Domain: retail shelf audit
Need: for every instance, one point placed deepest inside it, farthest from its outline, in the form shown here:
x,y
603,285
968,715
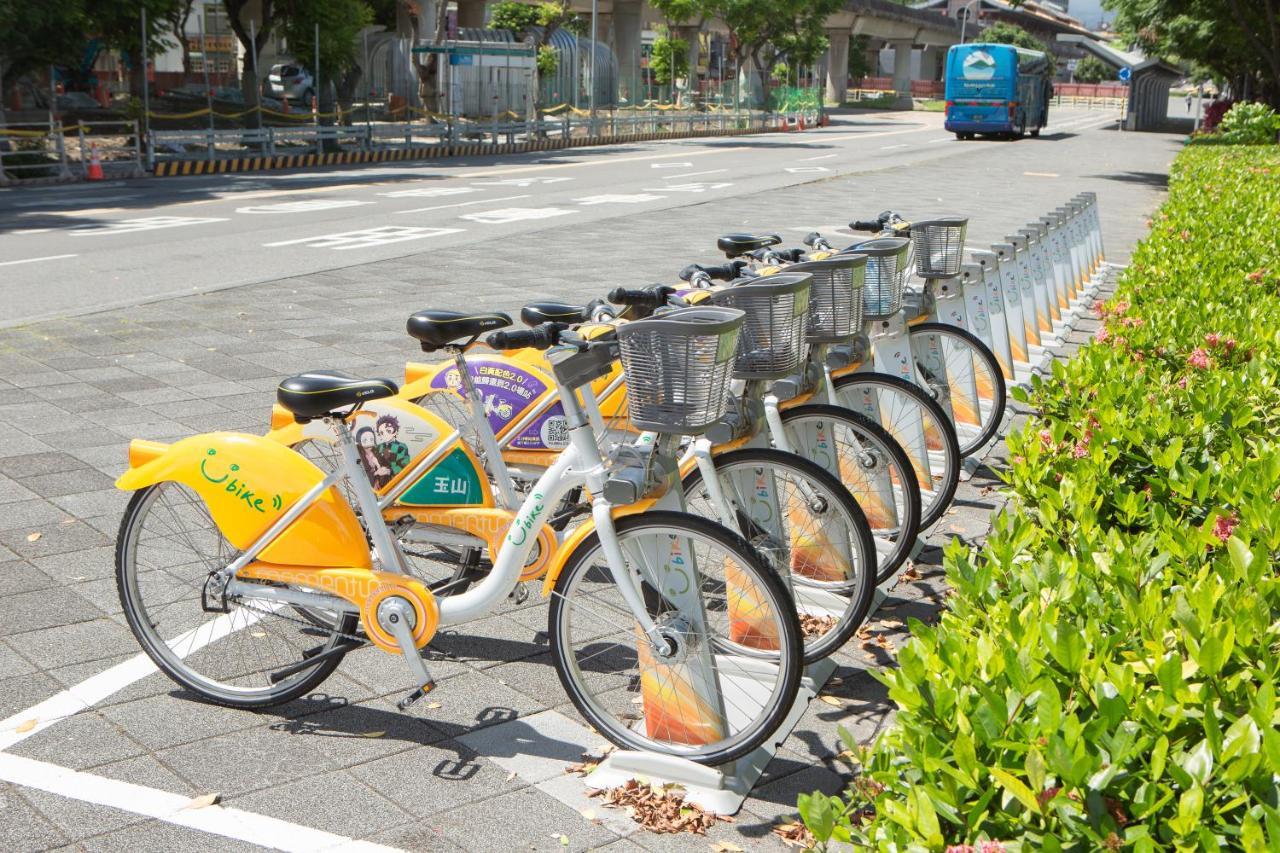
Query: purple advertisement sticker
x,y
508,391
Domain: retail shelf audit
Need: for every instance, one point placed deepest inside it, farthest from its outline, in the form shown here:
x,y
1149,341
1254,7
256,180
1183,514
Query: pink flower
x,y
961,848
1185,235
1121,307
1212,339
1081,450
1099,307
1198,359
1182,383
1225,526
990,847
1101,335
1230,344
1046,438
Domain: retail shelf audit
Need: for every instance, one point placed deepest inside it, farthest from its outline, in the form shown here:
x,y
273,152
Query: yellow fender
x,y
574,539
248,482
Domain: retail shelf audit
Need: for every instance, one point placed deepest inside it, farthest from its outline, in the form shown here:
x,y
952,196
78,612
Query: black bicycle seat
x,y
536,313
734,245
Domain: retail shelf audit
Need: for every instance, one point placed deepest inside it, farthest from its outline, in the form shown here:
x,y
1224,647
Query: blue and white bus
x,y
997,89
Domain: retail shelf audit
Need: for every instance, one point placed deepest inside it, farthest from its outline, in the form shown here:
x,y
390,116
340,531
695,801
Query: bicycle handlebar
x,y
540,337
872,226
647,297
723,272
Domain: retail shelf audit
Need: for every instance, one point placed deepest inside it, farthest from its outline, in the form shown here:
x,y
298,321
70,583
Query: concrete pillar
x,y
690,36
626,47
931,59
470,13
837,66
902,73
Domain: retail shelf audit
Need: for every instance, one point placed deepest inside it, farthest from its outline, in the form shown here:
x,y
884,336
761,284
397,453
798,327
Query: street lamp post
x,y
968,13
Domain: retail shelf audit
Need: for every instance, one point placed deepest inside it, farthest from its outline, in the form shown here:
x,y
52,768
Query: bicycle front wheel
x,y
872,466
918,425
729,669
810,529
964,377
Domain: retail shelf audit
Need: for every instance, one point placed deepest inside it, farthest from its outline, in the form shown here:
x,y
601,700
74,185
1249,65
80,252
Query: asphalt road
x,y
78,249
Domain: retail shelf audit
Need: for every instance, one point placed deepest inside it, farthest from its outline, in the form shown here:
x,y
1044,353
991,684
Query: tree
x,y
340,23
1004,33
263,27
684,21
117,25
1237,40
859,62
669,59
177,20
536,24
1093,70
37,35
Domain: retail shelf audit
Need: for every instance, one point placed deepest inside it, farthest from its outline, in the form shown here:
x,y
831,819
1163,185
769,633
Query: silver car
x,y
292,82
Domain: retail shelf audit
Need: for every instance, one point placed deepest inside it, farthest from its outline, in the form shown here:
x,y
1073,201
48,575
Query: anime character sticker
x,y
392,453
366,447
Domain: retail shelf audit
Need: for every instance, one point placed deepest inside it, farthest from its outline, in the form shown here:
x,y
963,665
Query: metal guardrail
x,y
49,151
214,144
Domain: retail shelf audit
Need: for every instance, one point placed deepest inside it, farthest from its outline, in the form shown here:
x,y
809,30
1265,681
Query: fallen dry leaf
x,y
203,801
434,705
832,700
374,734
32,537
816,626
26,726
589,814
659,808
726,847
794,835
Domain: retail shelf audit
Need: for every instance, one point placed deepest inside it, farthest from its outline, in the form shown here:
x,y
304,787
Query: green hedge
x,y
1105,674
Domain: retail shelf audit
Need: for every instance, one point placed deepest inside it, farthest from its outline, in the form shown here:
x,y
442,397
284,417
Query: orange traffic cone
x,y
802,121
95,164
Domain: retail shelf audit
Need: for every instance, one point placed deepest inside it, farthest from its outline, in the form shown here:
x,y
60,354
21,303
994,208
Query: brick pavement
x,y
73,392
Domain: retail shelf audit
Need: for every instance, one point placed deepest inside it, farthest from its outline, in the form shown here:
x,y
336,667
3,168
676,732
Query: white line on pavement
x,y
173,808
691,174
892,147
669,165
819,157
34,260
463,203
366,238
939,139
32,231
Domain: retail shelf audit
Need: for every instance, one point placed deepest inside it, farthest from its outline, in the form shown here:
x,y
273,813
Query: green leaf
x,y
1017,788
1198,763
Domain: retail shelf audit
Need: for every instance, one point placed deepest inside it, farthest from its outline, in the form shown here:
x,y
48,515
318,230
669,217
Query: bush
x,y
1093,70
1105,674
1250,124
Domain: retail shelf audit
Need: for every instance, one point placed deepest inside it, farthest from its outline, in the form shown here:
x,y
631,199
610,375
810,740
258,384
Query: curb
x,y
172,168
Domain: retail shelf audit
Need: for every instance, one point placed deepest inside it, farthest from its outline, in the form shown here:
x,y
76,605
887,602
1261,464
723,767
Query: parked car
x,y
290,81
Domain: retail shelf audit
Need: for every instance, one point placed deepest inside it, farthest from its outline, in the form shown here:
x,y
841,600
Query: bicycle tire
x,y
935,501
859,593
566,600
145,627
972,443
909,513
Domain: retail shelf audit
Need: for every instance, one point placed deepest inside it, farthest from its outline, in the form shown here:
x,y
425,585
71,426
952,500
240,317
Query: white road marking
x,y
669,165
819,157
303,205
515,214
695,187
34,260
1042,174
32,231
803,170
692,174
172,808
617,198
428,192
892,147
463,203
150,223
939,139
520,182
72,202
366,238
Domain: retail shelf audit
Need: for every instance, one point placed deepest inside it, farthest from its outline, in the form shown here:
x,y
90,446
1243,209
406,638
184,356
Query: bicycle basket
x,y
939,245
886,274
678,366
771,344
835,300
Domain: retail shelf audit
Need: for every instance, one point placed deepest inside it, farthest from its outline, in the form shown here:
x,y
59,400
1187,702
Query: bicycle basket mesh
x,y
886,274
771,344
939,245
835,299
678,366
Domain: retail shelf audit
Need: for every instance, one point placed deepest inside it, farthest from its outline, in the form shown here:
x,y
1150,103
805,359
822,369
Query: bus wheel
x,y
1022,128
1035,133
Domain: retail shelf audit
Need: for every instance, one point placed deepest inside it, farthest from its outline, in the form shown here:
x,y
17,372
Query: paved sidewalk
x,y
73,392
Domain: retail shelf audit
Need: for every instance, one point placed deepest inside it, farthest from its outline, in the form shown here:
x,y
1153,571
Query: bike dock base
x,y
719,790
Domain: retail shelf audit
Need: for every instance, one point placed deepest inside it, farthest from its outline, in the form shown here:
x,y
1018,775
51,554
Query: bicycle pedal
x,y
407,702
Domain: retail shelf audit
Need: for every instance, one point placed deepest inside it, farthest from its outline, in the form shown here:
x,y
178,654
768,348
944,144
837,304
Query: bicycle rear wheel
x,y
732,663
810,529
168,545
919,426
873,467
964,377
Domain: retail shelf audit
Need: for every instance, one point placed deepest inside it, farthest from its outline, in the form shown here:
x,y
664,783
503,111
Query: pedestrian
x,y
1188,102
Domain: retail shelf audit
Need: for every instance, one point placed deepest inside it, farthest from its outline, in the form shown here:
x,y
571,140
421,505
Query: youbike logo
x,y
236,486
